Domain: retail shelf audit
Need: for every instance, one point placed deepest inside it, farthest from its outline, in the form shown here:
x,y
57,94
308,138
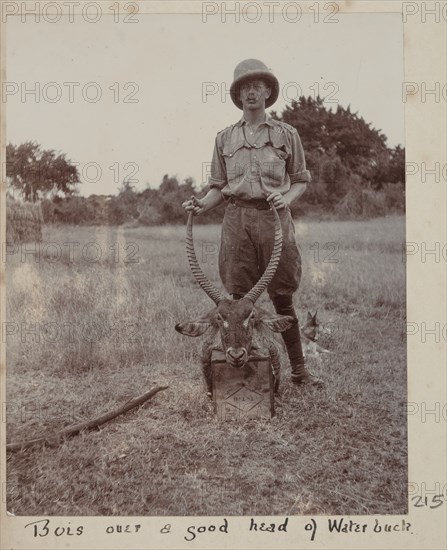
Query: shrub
x,y
362,203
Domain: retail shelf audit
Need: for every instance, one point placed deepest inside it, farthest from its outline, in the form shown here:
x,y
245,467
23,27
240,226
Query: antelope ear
x,y
310,317
193,328
279,323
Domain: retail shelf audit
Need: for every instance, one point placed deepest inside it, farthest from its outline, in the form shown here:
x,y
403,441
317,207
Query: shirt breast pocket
x,y
280,146
280,153
235,160
274,164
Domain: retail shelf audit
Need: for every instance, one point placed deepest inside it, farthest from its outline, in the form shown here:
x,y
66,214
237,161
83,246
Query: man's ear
x,y
279,323
239,92
193,328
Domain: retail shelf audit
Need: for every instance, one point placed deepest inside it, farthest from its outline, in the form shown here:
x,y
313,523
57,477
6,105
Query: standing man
x,y
258,161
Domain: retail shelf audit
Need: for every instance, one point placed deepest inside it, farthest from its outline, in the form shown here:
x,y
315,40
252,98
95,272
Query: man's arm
x,y
212,199
295,192
296,163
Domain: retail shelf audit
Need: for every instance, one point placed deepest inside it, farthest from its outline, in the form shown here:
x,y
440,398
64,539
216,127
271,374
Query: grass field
x,y
86,333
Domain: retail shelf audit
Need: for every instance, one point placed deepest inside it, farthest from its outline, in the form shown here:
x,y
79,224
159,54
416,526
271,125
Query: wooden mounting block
x,y
247,392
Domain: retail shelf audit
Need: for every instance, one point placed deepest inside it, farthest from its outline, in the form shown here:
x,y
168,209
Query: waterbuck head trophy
x,y
235,320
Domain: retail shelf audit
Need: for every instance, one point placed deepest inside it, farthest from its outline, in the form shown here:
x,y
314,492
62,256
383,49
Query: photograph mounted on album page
x,y
223,300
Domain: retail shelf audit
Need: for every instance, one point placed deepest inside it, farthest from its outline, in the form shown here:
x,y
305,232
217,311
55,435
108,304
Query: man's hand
x,y
279,201
195,205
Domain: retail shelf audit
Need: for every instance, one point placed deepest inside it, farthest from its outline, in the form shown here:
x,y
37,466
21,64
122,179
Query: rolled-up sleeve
x,y
296,163
218,176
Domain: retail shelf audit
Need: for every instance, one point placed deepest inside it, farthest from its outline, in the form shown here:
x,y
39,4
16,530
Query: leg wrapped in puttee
x,y
292,339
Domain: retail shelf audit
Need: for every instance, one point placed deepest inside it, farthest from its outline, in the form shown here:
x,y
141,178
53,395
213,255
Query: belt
x,y
258,204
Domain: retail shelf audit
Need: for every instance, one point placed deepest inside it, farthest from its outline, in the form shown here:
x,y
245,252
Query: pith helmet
x,y
253,68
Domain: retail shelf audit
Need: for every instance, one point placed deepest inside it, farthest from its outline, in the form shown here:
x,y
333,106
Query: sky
x,y
138,107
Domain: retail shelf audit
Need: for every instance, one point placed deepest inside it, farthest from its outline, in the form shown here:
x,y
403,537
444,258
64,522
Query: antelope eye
x,y
248,319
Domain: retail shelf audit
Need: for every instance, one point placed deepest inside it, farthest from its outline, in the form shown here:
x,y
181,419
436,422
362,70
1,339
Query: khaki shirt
x,y
248,166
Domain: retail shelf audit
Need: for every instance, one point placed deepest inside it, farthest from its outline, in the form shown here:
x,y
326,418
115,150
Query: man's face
x,y
254,93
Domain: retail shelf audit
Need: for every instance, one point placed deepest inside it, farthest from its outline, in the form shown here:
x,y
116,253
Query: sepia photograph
x,y
291,398
205,260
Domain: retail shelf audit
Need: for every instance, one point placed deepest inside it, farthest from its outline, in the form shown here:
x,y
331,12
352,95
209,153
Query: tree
x,y
396,172
171,194
340,133
310,117
344,154
124,207
37,173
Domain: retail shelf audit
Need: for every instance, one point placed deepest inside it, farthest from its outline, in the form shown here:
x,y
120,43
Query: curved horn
x,y
215,294
270,271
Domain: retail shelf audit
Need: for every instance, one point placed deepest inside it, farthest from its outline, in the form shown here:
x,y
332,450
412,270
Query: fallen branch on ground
x,y
87,424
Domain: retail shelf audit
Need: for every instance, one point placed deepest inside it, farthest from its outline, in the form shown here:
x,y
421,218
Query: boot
x,y
301,376
292,339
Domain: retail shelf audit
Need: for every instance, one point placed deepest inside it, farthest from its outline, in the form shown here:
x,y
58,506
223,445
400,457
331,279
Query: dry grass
x,y
23,222
341,450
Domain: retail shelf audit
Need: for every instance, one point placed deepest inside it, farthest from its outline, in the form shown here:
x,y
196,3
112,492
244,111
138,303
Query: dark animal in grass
x,y
310,334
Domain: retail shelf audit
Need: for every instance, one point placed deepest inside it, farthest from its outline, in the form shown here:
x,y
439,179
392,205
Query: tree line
x,y
354,174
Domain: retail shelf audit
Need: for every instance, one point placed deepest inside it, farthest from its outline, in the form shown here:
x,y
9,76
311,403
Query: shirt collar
x,y
268,120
